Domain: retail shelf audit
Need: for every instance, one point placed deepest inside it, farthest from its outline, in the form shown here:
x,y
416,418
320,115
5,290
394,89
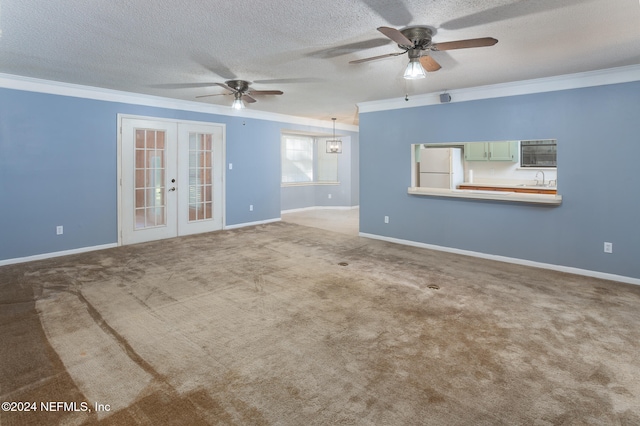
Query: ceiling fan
x,y
416,42
241,91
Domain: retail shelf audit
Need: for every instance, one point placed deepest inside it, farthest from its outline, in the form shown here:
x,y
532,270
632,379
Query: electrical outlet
x,y
230,166
329,196
608,247
386,219
59,230
250,207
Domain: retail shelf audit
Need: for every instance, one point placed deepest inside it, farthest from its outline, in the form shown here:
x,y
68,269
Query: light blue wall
x,y
598,133
344,194
58,166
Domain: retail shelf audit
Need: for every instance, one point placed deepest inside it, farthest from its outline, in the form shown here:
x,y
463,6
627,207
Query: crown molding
x,y
548,84
29,84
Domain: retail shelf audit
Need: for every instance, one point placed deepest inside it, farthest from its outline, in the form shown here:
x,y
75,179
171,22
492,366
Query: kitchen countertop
x,y
509,185
552,199
521,188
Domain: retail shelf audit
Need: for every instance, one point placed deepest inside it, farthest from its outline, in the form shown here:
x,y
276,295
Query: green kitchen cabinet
x,y
477,151
491,151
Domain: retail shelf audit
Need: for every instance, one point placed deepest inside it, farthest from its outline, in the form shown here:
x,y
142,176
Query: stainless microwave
x,y
540,153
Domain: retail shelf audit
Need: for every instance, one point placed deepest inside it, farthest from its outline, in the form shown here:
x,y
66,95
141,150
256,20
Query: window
x,y
305,160
297,159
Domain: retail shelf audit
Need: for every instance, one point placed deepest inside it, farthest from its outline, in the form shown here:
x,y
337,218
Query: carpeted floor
x,y
264,326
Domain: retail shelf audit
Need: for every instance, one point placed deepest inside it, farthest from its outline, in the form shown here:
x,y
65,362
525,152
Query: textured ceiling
x,y
178,48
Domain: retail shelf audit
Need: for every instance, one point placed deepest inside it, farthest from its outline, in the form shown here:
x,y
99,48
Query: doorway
x,y
171,178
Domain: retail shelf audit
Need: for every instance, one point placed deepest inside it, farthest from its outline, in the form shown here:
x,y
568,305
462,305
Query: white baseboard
x,y
102,247
560,268
243,225
306,209
56,254
106,246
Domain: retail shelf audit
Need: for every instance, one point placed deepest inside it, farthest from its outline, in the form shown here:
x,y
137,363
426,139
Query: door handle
x,y
172,189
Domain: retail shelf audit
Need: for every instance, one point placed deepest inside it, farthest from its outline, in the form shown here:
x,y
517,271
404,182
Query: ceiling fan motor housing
x,y
238,85
419,36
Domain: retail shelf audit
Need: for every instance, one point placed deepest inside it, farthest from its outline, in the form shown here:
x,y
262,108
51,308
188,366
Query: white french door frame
x,y
219,197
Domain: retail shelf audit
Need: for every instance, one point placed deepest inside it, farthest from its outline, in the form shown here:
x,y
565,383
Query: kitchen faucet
x,y
540,171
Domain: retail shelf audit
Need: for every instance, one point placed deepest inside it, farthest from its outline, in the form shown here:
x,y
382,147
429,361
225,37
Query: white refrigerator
x,y
441,168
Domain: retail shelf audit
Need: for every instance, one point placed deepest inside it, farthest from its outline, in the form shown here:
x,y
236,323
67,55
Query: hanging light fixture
x,y
334,146
414,70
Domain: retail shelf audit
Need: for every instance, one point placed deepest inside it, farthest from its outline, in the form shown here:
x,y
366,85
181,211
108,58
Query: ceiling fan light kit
x,y
414,70
237,102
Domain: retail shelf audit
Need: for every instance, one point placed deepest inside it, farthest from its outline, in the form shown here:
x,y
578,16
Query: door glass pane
x,y
149,179
139,178
150,139
140,198
140,159
140,139
200,188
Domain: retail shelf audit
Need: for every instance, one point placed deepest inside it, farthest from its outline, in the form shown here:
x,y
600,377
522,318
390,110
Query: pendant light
x,y
334,146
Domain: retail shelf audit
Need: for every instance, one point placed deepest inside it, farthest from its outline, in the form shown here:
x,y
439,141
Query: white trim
x,y
306,209
548,84
10,81
245,224
524,262
119,118
56,254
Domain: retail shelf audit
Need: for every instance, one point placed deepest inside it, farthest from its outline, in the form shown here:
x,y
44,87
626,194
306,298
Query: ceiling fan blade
x,y
265,92
429,64
226,87
214,94
396,36
357,61
248,99
464,44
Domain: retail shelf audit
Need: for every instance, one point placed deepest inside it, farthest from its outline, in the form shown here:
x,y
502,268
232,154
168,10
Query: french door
x,y
171,179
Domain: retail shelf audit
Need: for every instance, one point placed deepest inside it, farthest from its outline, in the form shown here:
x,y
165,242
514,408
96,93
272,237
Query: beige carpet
x,y
334,220
263,326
